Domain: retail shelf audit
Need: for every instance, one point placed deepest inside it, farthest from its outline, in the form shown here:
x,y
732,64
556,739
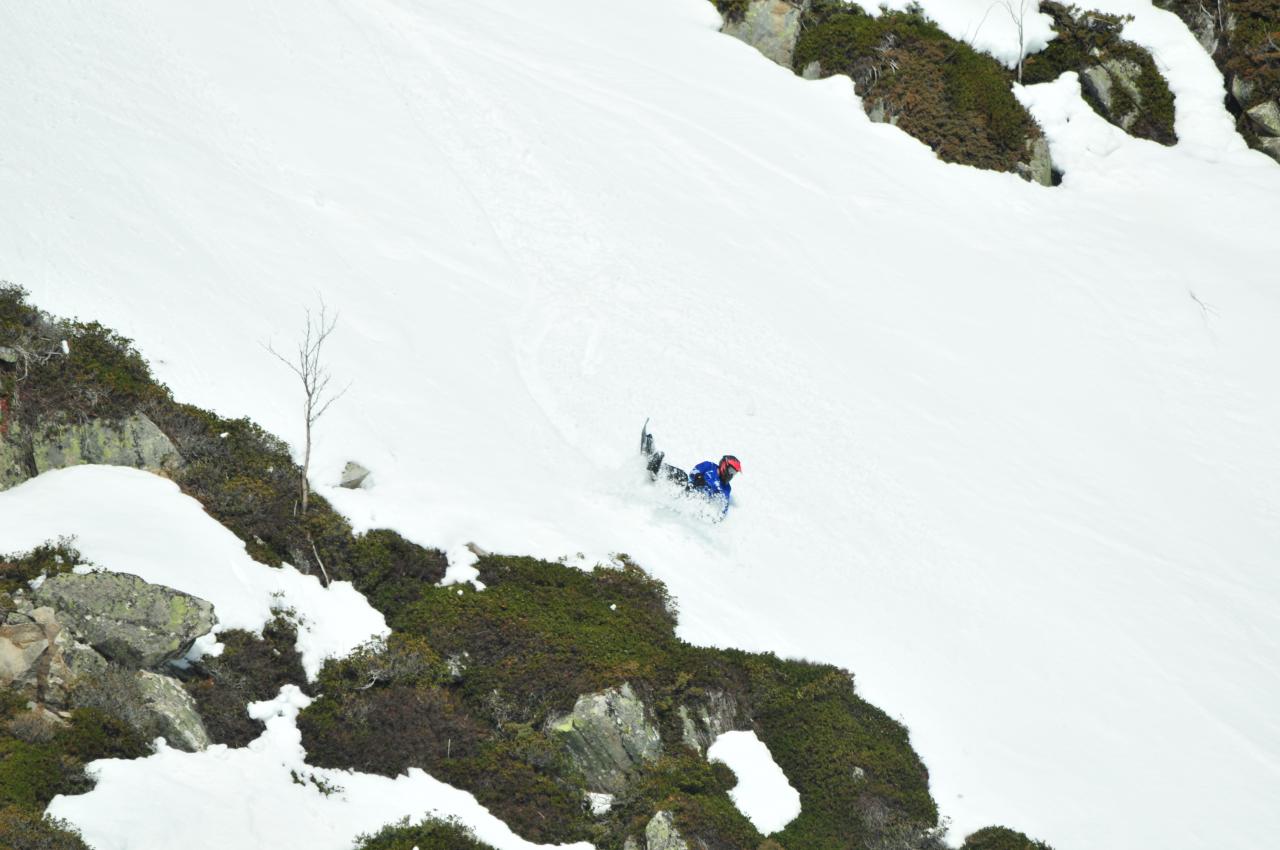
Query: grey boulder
x,y
132,622
609,736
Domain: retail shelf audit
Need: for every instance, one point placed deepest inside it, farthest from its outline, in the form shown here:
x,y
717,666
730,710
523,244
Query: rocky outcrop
x,y
770,26
1106,80
609,736
704,721
135,441
126,619
1119,78
1241,36
173,711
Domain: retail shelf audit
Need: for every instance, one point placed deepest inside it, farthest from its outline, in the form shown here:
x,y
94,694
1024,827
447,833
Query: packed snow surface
x,y
763,793
133,522
262,795
1009,451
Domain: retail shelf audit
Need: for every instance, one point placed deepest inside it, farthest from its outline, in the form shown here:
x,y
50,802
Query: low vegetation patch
x,y
47,560
428,834
909,72
1001,838
250,669
26,829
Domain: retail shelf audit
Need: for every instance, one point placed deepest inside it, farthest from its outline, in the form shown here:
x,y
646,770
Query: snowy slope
x,y
998,461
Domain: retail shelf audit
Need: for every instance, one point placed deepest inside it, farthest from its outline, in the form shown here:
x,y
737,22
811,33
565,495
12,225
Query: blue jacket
x,y
705,479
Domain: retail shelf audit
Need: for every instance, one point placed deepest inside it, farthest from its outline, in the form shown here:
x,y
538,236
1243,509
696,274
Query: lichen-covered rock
x,y
1039,167
15,460
770,26
135,442
609,736
70,663
705,721
130,621
174,710
661,833
1266,117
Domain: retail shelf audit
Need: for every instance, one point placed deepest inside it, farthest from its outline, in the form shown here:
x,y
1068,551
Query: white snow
x,y
262,795
763,793
133,522
998,460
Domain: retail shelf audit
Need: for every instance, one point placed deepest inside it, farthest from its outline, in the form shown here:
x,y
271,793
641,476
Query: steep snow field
x,y
1009,452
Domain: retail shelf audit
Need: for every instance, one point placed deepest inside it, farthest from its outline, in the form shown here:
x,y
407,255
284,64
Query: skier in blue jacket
x,y
708,479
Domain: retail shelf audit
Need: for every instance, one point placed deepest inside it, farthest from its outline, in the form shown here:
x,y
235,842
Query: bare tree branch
x,y
314,374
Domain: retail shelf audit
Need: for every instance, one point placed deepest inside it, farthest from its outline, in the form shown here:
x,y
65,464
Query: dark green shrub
x,y
250,669
47,559
1001,838
952,98
732,10
29,829
696,792
428,834
392,572
851,763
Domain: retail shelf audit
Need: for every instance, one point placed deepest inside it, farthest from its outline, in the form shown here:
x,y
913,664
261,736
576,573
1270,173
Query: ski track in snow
x,y
998,461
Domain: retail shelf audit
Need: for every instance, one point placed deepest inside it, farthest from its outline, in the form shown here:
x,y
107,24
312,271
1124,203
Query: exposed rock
x,y
878,111
704,722
1105,80
1040,167
135,441
38,655
128,620
608,735
1271,147
21,646
353,475
812,71
661,833
1266,117
15,460
69,663
174,710
8,355
770,26
1241,89
631,843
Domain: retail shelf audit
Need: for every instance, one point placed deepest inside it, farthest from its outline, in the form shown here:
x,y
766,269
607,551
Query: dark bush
x,y
392,572
1001,838
28,829
47,559
250,669
952,98
428,834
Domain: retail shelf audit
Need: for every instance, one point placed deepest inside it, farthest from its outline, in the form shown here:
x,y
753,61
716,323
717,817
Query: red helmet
x,y
729,467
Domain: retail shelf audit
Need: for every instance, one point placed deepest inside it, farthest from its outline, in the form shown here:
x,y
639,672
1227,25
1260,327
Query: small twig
x,y
323,571
1206,309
